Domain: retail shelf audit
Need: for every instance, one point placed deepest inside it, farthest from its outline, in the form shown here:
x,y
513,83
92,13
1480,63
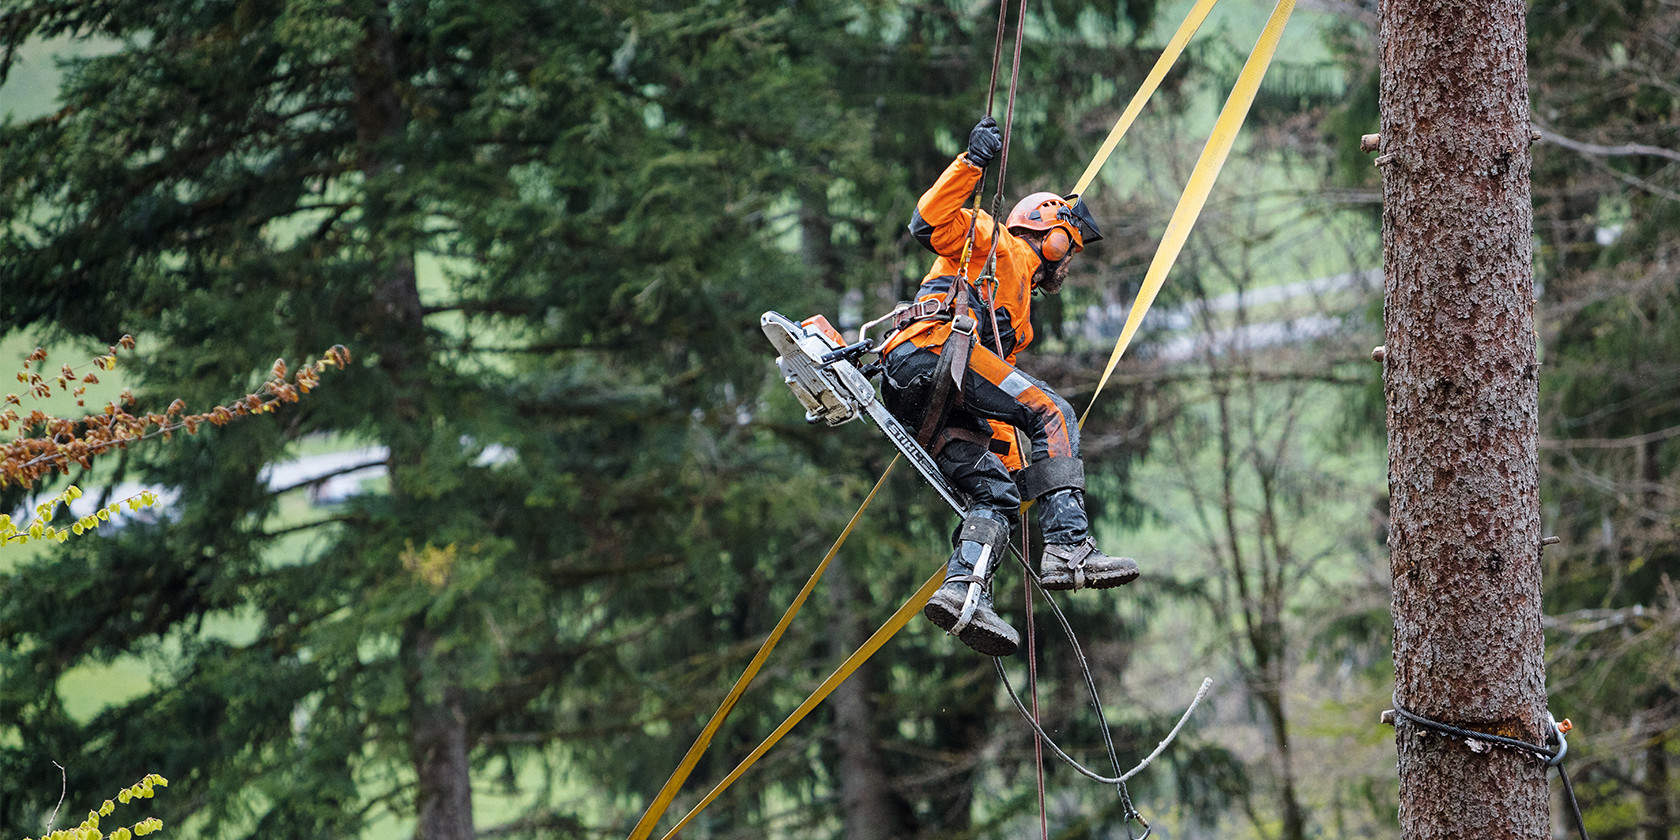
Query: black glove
x,y
984,142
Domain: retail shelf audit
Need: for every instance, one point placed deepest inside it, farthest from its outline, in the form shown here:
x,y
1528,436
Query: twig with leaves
x,y
89,828
46,443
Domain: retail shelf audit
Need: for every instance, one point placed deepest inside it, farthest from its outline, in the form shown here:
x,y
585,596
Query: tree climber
x,y
944,379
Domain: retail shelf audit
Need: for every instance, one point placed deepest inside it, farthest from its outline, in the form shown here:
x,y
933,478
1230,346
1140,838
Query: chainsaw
x,y
825,375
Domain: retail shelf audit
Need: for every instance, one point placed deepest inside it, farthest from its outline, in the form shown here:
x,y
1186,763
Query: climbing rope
x,y
1551,757
987,284
1032,685
1003,158
997,53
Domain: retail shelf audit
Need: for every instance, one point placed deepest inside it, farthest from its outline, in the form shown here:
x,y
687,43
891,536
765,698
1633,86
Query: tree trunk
x,y
1658,821
1261,609
1462,414
1294,816
438,736
438,743
870,806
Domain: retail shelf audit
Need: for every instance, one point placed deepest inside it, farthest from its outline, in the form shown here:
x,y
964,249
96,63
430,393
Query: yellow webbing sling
x,y
1195,194
662,800
874,643
1184,216
1169,56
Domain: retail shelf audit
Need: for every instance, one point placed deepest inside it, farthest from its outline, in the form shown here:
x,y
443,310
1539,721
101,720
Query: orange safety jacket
x,y
941,225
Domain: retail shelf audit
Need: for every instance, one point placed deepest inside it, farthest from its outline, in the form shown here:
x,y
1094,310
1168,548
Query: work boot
x,y
980,548
1071,559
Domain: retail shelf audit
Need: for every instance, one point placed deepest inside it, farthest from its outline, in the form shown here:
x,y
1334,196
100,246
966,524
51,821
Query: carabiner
x,y
1136,817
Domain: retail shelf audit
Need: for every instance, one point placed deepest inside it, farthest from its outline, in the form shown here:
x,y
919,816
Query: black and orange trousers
x,y
992,389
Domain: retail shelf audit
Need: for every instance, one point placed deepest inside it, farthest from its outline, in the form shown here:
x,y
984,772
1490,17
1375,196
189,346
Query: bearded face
x,y
1050,276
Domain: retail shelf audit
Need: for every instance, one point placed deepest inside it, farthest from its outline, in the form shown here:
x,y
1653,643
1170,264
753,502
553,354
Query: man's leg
x,y
981,542
996,390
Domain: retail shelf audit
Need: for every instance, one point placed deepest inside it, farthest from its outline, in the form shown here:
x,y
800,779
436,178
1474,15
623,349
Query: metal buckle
x,y
963,324
921,310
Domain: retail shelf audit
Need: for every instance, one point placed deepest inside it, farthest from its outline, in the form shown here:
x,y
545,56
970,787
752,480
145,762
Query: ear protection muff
x,y
1055,245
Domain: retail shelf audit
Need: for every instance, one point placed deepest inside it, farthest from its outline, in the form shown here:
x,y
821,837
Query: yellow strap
x,y
1169,56
662,800
1195,195
887,631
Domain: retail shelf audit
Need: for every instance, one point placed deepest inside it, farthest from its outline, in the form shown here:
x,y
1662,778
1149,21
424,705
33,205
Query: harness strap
x,y
1077,563
944,437
953,364
930,309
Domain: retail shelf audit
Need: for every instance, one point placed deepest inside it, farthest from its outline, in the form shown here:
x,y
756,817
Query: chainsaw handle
x,y
849,353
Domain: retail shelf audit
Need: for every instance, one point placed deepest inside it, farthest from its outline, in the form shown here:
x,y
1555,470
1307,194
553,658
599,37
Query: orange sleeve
x,y
941,220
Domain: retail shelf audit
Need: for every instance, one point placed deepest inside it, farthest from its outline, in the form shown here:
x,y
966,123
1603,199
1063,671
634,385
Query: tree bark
x,y
1462,414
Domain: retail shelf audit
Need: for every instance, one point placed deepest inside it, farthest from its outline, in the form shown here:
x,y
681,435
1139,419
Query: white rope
x,y
1207,683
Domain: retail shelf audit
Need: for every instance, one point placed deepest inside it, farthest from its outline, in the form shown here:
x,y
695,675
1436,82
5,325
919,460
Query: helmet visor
x,y
1080,215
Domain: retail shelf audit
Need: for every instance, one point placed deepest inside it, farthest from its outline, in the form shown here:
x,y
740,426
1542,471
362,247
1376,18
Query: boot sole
x,y
1060,583
980,634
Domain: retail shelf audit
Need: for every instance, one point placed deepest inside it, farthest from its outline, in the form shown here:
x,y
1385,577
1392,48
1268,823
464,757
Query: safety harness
x,y
947,393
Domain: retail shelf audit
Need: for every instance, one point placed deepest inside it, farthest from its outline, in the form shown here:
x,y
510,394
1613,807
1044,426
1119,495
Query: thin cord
x,y
1130,811
1032,682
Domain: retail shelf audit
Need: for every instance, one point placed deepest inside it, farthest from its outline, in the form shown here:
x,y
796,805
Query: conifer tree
x,y
1606,188
547,230
1460,376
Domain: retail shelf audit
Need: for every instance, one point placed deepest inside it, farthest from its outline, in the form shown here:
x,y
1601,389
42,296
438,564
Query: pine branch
x,y
1594,149
1611,443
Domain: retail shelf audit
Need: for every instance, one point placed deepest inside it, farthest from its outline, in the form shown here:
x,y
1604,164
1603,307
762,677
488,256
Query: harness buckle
x,y
964,324
921,310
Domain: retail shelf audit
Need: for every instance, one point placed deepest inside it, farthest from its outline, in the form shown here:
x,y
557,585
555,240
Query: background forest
x,y
524,544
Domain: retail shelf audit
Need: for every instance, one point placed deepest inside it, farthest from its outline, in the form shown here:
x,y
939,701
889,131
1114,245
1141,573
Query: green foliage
x,y
1610,397
548,229
89,828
